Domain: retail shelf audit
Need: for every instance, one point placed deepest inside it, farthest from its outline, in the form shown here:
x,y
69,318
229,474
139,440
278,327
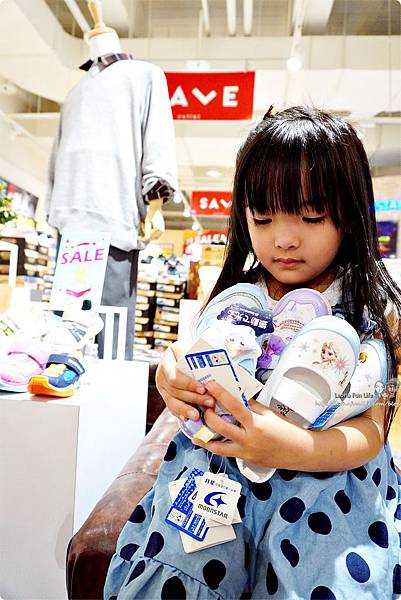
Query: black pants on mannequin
x,y
119,289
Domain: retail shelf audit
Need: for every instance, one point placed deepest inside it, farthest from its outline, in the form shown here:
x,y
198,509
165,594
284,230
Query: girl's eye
x,y
261,221
313,219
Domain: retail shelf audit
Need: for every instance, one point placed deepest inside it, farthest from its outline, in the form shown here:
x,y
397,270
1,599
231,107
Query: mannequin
x,y
101,39
113,161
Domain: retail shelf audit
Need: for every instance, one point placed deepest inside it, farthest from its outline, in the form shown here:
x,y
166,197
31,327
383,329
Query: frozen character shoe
x,y
294,311
314,370
26,357
241,304
61,376
272,347
367,384
290,315
239,341
77,327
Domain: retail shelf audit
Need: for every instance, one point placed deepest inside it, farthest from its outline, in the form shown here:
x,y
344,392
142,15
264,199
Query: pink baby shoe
x,y
26,357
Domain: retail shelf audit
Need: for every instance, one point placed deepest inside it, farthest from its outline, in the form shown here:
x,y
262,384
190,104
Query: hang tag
x,y
217,498
260,321
210,522
219,534
181,514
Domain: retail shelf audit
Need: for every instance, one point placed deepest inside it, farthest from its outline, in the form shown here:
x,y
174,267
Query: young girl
x,y
327,524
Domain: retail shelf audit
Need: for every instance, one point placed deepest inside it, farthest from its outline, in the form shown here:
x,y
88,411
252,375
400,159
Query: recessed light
x,y
213,173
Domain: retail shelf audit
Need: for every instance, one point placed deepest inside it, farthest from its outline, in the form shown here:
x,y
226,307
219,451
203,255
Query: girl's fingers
x,y
167,374
182,383
228,449
233,405
185,396
257,407
227,430
180,409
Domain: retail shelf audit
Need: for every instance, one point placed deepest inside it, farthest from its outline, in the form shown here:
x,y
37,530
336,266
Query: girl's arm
x,y
270,440
347,445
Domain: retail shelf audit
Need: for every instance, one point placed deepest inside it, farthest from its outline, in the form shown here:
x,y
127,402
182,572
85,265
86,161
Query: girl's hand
x,y
262,436
180,391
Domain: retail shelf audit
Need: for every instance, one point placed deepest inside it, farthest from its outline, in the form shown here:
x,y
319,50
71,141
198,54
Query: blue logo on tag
x,y
216,500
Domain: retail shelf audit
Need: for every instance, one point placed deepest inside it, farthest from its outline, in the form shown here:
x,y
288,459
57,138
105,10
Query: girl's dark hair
x,y
303,156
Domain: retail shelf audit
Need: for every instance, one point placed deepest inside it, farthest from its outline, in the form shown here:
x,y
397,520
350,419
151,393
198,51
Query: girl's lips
x,y
288,262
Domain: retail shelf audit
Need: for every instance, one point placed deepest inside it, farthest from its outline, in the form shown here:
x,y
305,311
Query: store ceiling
x,y
352,67
180,18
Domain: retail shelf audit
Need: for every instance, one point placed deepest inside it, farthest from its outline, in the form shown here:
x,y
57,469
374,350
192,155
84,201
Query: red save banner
x,y
211,96
211,203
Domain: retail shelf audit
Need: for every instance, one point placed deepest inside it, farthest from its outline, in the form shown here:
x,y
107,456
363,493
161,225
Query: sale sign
x,y
206,237
211,96
211,203
80,269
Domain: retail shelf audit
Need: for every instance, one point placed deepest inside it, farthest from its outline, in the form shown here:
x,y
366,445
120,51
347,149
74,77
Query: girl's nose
x,y
287,240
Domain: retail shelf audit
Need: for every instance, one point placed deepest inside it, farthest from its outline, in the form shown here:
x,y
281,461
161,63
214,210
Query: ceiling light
x,y
177,199
196,226
213,173
187,212
294,63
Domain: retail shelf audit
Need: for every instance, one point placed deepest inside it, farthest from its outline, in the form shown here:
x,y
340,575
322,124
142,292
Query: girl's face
x,y
295,249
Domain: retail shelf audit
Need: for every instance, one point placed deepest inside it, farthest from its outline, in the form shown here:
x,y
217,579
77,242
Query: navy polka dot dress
x,y
303,536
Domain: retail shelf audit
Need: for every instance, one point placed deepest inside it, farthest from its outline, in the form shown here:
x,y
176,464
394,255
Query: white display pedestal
x,y
52,452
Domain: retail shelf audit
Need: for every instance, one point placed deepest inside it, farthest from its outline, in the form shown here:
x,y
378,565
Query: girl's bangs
x,y
289,178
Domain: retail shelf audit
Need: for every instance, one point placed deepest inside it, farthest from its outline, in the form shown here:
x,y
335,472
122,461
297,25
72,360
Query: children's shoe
x,y
61,376
314,370
26,357
365,387
295,310
199,430
77,327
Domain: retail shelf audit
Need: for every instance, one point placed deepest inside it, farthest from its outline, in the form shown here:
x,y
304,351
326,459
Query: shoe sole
x,y
40,386
9,387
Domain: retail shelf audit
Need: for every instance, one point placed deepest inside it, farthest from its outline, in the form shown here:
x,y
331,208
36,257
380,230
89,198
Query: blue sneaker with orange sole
x,y
60,377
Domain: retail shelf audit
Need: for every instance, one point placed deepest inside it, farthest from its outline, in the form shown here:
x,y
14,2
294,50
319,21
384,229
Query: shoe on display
x,y
76,328
61,376
26,357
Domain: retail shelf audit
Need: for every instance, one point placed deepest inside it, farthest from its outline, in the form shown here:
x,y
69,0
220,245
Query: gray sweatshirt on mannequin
x,y
115,140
